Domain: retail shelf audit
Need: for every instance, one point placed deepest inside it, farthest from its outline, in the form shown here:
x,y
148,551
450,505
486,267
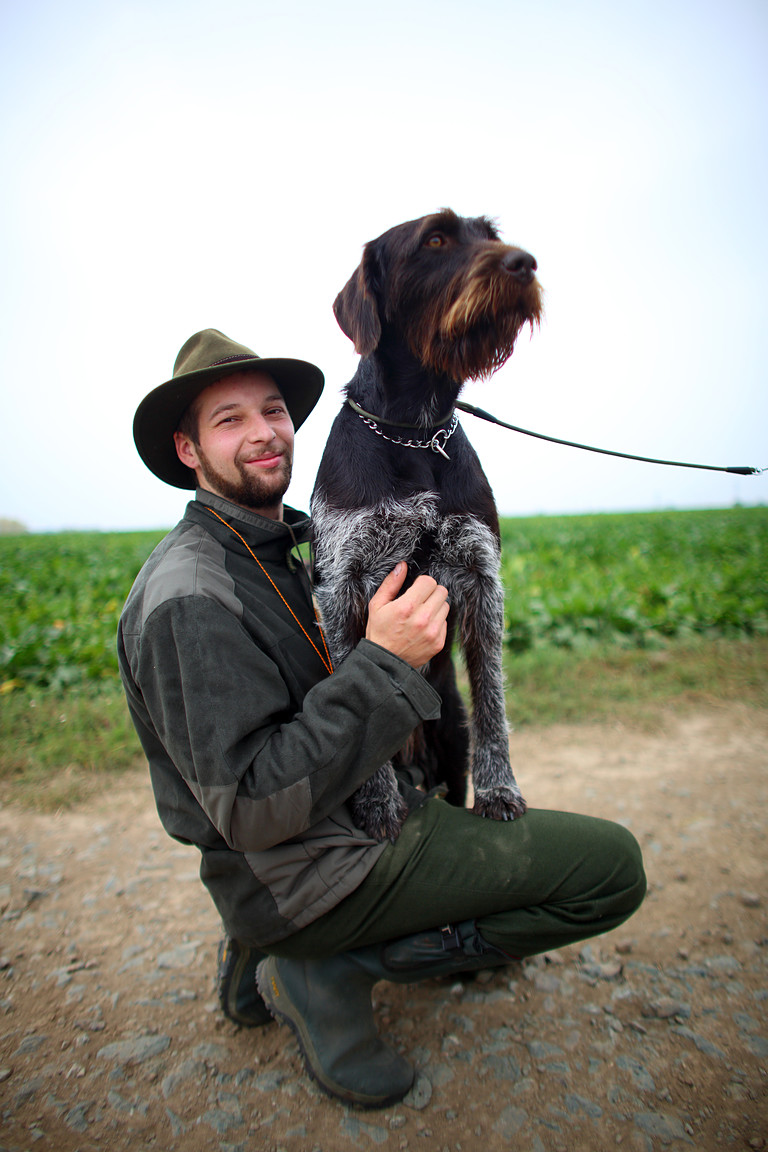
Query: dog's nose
x,y
520,265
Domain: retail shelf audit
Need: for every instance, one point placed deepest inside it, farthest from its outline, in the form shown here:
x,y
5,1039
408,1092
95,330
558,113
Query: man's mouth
x,y
270,461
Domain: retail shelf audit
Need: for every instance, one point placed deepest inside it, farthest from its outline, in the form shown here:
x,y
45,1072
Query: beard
x,y
259,493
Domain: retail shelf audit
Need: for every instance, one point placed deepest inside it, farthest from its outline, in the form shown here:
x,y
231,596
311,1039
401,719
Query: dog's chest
x,y
364,544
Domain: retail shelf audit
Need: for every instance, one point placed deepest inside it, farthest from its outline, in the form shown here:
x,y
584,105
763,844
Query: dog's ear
x,y
356,308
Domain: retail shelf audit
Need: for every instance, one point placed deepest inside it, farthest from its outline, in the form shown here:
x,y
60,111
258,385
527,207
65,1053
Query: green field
x,y
604,615
61,597
633,580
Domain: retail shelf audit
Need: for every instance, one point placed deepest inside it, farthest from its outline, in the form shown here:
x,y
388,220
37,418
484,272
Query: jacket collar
x,y
294,527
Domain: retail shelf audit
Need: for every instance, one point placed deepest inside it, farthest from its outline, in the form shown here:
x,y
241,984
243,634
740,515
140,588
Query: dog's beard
x,y
259,493
472,330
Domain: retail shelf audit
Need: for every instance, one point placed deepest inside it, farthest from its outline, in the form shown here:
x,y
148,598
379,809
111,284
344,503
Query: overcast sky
x,y
172,165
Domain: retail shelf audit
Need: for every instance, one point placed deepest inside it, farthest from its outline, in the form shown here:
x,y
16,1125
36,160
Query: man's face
x,y
244,445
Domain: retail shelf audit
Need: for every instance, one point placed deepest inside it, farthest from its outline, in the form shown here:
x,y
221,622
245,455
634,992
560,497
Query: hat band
x,y
232,360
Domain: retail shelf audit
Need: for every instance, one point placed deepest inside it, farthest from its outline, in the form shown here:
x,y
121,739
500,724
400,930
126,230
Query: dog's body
x,y
434,301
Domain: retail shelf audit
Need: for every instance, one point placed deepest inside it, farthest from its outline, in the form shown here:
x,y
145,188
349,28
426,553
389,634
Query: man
x,y
256,742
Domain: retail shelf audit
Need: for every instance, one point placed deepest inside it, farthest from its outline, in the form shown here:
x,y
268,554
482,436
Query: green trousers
x,y
533,884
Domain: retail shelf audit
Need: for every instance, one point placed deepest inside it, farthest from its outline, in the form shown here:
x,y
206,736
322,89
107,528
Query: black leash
x,y
483,415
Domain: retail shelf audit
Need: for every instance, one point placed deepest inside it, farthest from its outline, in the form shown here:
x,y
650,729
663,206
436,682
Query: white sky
x,y
172,165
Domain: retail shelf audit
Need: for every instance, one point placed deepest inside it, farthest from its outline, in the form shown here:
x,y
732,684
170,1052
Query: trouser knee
x,y
630,884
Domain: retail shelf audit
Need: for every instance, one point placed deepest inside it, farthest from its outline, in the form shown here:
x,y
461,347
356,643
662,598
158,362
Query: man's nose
x,y
259,430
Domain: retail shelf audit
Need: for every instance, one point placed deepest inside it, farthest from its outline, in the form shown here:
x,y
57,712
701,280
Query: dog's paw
x,y
380,817
503,803
377,806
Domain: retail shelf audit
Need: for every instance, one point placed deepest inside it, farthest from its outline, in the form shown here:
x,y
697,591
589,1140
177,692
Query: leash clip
x,y
435,444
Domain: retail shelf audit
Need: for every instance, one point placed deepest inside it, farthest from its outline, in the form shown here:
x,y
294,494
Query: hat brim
x,y
158,415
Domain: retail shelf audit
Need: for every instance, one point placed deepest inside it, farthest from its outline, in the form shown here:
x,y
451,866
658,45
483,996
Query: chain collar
x,y
436,442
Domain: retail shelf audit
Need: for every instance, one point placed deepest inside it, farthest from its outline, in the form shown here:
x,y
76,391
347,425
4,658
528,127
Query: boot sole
x,y
283,1009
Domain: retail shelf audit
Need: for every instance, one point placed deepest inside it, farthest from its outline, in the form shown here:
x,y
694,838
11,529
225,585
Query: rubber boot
x,y
327,1004
236,984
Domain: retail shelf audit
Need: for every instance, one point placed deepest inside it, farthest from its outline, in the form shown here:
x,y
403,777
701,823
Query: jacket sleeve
x,y
222,711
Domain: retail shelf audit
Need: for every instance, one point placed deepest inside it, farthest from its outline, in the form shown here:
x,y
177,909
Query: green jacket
x,y
253,749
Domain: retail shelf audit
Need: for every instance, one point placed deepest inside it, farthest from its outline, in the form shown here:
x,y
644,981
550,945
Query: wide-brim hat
x,y
206,357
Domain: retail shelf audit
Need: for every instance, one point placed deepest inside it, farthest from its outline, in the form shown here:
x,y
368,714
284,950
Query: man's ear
x,y
185,450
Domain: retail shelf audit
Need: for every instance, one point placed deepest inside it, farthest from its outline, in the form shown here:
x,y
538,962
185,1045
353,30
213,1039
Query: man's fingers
x,y
426,591
412,625
390,585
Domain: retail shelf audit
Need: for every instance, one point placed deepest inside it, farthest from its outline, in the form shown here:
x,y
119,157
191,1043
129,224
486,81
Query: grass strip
x,y
59,748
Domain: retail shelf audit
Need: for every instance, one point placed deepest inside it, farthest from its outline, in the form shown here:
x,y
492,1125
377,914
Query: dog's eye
x,y
435,240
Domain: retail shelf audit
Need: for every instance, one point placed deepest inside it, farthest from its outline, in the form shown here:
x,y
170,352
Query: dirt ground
x,y
655,1036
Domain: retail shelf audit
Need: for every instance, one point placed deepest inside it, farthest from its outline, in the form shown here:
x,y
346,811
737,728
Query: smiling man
x,y
256,742
237,437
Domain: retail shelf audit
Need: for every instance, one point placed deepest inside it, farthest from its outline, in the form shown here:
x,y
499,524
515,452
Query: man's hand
x,y
411,626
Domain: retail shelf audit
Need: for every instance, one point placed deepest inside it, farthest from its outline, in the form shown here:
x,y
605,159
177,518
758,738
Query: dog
x,y
434,302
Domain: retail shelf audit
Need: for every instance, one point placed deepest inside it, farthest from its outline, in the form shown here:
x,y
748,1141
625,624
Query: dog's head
x,y
449,288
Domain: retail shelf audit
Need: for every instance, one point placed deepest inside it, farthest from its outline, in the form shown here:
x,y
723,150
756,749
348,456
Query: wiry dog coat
x,y
434,302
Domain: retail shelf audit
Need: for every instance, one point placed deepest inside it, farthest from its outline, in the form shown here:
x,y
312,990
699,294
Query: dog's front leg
x,y
471,550
377,806
496,792
342,598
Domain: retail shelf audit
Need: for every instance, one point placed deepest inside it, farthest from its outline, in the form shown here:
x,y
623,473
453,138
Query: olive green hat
x,y
206,357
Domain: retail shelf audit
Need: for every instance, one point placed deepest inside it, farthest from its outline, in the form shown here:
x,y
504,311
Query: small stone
x,y
178,1127
575,1103
664,1008
134,1051
193,1070
29,1044
554,957
701,1042
76,1118
750,900
639,1073
220,1120
419,1095
179,957
664,1128
510,1121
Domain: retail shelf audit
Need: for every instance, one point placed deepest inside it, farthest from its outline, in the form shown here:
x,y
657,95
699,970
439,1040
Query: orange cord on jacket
x,y
327,662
